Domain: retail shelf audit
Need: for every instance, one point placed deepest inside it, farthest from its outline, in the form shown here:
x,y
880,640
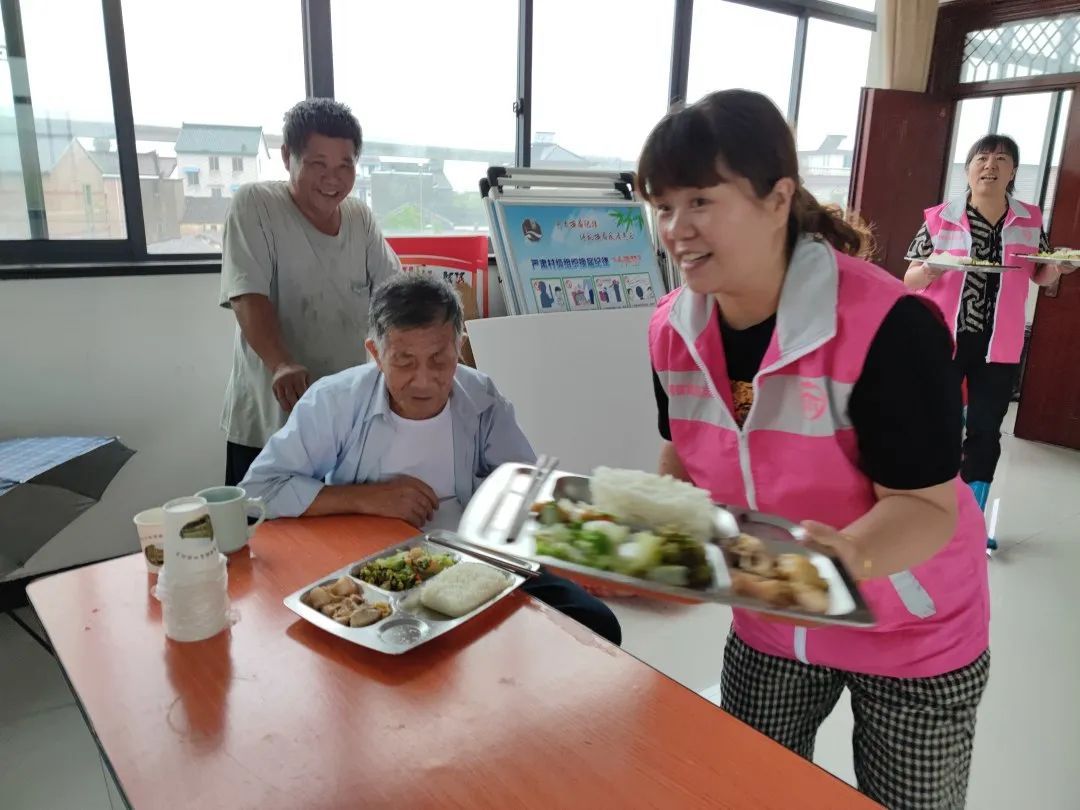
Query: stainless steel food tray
x,y
846,604
409,624
949,267
1062,262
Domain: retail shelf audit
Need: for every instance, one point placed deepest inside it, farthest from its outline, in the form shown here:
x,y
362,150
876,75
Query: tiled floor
x,y
1028,740
48,760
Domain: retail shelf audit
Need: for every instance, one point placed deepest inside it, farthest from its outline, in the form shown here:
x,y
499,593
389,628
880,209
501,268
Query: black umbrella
x,y
45,483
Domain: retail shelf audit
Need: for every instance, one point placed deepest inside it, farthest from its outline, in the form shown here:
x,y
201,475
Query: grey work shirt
x,y
319,286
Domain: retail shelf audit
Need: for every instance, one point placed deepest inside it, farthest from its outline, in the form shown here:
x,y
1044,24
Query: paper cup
x,y
150,524
189,538
197,608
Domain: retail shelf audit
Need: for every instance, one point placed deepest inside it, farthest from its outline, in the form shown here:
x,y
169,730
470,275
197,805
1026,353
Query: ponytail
x,y
845,232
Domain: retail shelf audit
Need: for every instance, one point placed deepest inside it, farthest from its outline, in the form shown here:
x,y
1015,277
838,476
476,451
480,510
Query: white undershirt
x,y
424,449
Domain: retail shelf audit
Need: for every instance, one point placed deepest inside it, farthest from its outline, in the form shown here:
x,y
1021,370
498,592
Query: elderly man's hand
x,y
405,498
291,380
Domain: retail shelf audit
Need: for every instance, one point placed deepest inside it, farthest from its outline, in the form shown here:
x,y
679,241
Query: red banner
x,y
459,259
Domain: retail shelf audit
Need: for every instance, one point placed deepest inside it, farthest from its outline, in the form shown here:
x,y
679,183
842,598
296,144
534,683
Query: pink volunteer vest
x,y
950,232
796,456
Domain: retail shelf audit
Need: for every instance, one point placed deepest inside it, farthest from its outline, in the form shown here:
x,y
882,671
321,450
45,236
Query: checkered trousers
x,y
913,736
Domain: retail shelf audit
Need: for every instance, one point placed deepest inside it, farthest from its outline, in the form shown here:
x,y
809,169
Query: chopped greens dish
x,y
578,533
403,570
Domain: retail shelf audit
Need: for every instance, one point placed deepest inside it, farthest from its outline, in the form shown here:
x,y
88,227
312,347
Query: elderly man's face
x,y
323,176
419,366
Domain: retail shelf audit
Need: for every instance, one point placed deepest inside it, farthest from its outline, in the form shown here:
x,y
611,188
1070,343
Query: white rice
x,y
657,501
462,588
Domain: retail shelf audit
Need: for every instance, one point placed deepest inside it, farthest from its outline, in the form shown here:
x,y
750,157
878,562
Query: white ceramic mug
x,y
228,512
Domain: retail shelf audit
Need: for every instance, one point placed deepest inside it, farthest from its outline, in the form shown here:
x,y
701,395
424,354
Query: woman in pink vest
x,y
985,311
797,380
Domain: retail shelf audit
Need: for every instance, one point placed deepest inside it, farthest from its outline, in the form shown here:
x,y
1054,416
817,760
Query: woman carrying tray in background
x,y
986,311
787,382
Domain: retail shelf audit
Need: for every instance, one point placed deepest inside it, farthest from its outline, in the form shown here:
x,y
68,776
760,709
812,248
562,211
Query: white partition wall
x,y
142,357
580,382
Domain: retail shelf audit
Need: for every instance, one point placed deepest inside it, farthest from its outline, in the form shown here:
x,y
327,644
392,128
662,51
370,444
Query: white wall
x,y
581,384
143,357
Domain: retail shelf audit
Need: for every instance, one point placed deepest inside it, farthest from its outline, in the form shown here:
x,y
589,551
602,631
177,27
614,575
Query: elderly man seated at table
x,y
409,436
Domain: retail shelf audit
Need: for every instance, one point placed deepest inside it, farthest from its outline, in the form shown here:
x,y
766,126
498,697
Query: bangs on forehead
x,y
676,155
995,144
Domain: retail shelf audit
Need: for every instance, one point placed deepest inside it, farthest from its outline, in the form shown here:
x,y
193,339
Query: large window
x,y
223,107
834,72
71,193
127,126
600,80
433,88
738,46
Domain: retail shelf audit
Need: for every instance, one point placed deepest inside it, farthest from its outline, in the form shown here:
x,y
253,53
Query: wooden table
x,y
521,707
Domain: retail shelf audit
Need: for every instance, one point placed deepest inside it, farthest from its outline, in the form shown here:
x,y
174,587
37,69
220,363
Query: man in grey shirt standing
x,y
299,262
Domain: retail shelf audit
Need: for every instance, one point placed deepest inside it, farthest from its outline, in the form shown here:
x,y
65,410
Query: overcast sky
x,y
422,71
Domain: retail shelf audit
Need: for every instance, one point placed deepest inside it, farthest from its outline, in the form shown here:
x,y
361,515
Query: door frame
x,y
954,22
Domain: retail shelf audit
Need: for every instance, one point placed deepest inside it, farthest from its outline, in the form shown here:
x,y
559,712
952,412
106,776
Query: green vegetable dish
x,y
664,555
403,570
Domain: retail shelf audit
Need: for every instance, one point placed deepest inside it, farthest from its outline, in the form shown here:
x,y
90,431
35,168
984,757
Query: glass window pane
x,y
863,5
594,104
972,122
14,221
202,99
435,102
1024,119
71,107
1055,157
834,72
1027,47
738,46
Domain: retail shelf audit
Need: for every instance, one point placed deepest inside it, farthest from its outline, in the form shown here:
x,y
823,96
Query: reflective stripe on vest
x,y
948,239
1019,236
690,398
685,383
804,406
914,596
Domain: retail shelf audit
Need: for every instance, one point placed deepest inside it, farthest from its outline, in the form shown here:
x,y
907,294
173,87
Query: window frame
x,y
64,258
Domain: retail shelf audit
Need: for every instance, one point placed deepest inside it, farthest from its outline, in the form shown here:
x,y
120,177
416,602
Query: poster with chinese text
x,y
573,257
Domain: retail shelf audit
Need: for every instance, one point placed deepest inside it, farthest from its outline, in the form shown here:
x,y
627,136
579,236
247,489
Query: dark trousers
x,y
238,457
989,391
572,600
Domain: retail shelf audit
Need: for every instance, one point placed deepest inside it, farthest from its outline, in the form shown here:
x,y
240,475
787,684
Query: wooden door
x,y
1050,398
901,152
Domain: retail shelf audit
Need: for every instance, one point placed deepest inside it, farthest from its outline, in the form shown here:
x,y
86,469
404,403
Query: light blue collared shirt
x,y
340,429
